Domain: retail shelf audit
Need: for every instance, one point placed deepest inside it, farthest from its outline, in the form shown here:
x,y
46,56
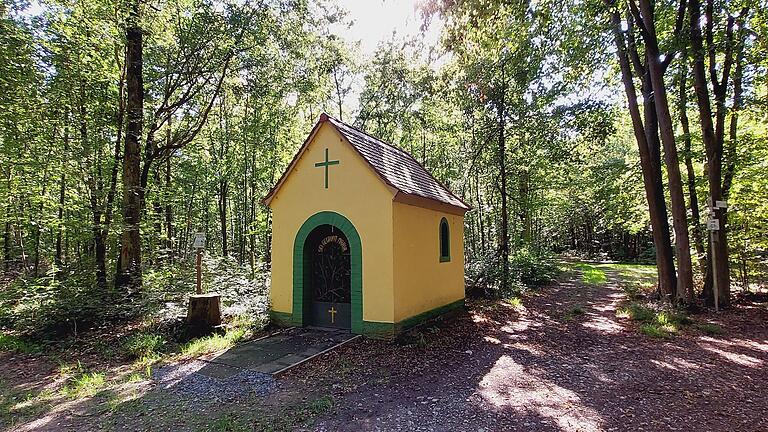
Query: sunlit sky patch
x,y
378,20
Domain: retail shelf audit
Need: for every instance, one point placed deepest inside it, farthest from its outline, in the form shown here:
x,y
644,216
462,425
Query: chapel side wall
x,y
422,282
354,192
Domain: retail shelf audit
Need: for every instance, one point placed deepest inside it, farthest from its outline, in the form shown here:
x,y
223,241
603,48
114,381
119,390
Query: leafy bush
x,y
528,268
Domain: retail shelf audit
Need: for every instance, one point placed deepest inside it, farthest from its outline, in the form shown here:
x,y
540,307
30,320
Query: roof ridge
x,y
372,137
410,156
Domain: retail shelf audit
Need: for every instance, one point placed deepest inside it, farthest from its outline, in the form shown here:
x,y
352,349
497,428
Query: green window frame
x,y
445,241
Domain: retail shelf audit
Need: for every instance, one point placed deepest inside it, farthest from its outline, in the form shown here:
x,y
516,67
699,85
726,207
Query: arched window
x,y
445,241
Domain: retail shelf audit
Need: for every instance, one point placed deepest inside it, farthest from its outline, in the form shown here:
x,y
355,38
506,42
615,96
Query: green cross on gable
x,y
326,164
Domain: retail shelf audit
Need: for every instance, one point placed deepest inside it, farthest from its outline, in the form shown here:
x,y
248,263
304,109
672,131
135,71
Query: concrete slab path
x,y
276,353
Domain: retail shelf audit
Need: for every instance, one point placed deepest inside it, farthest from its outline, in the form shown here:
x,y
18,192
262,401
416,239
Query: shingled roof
x,y
394,166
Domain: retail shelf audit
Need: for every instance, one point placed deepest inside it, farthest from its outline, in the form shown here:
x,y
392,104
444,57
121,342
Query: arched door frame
x,y
355,259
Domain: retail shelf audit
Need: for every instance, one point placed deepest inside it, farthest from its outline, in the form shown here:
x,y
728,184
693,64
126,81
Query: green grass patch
x,y
641,276
240,328
515,302
143,345
84,385
591,274
710,329
230,423
654,323
655,331
17,344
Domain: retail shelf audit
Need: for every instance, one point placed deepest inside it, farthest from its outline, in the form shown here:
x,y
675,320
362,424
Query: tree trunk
x,y
129,264
502,155
169,246
651,172
712,143
679,217
222,204
698,238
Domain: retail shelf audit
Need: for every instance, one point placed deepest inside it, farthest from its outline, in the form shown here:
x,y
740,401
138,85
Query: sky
x,y
376,20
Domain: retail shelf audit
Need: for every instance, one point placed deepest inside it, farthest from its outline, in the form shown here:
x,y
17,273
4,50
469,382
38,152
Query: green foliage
x,y
529,268
654,323
239,329
18,344
46,307
533,267
710,329
79,382
143,345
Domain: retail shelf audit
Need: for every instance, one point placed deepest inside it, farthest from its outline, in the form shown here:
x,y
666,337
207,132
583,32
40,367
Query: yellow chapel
x,y
363,237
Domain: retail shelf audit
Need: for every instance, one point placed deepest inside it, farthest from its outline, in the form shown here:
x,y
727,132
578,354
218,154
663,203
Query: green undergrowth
x,y
242,327
710,329
656,323
18,344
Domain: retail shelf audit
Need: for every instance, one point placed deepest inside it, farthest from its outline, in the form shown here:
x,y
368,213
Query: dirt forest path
x,y
557,359
562,361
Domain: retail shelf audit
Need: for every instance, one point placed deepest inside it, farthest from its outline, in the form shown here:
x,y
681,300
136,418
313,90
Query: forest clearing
x,y
507,215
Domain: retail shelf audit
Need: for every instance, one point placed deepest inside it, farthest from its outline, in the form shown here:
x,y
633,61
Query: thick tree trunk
x,y
651,172
679,217
129,264
713,146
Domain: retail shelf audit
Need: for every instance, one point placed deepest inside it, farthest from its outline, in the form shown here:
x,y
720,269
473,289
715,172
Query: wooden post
x,y
199,264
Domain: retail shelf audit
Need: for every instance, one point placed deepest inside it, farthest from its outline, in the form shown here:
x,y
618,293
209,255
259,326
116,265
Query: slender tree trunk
x,y
502,156
169,232
222,204
7,246
129,270
59,257
698,238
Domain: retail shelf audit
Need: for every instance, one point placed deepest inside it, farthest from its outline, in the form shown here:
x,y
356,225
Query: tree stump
x,y
204,313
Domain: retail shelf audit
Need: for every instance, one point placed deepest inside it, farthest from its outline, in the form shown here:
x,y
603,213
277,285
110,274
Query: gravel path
x,y
185,380
541,368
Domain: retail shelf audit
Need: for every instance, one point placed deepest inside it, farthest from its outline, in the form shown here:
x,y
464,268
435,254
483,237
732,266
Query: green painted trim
x,y
446,239
283,319
356,265
381,330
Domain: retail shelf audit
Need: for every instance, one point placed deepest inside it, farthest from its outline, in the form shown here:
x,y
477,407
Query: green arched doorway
x,y
311,230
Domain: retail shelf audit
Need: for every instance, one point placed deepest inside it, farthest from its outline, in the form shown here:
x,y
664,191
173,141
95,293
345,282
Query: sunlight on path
x,y
509,385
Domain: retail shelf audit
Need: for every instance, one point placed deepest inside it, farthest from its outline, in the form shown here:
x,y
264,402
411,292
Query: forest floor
x,y
585,353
